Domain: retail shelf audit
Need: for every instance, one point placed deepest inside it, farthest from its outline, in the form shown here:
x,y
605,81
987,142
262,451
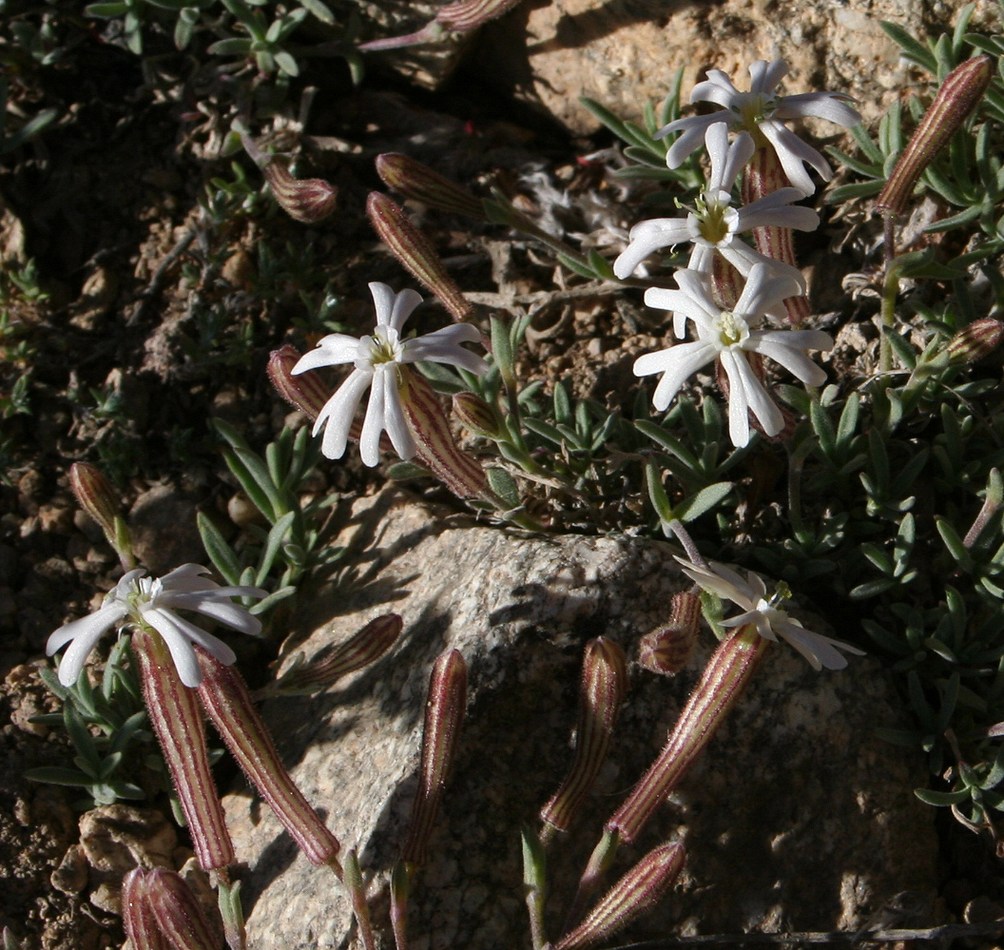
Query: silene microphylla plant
x,y
737,321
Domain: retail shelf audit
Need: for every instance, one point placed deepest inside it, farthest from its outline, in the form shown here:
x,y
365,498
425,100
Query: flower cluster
x,y
730,289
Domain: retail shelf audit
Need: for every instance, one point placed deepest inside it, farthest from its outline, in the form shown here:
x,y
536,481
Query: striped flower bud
x,y
178,723
228,704
958,96
604,683
976,341
180,916
306,392
726,675
418,182
444,715
466,15
667,649
307,200
359,651
633,895
98,498
138,920
414,250
476,415
436,450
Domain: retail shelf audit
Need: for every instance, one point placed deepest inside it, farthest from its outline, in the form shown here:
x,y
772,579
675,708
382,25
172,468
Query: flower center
x,y
732,329
752,108
385,346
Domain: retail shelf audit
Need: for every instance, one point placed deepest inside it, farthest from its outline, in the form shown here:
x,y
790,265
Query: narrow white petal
x,y
765,76
677,363
179,635
443,346
777,210
338,412
794,154
831,106
740,152
721,581
748,393
717,88
332,350
397,425
383,301
766,285
693,129
231,615
84,634
373,424
90,627
792,355
647,237
716,141
404,305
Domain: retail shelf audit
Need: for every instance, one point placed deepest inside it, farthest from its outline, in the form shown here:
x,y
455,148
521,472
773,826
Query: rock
x,y
164,530
115,839
796,818
623,53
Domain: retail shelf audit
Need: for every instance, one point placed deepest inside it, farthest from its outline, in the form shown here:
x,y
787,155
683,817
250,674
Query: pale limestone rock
x,y
797,817
624,52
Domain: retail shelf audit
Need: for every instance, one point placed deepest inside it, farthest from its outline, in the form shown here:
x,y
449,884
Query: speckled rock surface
x,y
797,818
624,52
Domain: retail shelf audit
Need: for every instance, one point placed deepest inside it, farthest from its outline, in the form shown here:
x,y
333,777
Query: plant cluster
x,y
888,505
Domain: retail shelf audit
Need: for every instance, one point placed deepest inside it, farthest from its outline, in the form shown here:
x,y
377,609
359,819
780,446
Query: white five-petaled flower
x,y
713,224
750,596
152,602
728,335
379,359
762,113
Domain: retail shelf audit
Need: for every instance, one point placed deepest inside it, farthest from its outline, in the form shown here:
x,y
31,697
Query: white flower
x,y
713,223
379,359
152,602
761,112
750,596
728,335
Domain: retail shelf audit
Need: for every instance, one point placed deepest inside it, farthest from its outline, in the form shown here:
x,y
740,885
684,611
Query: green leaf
x,y
930,797
319,10
223,556
912,48
696,505
504,485
55,775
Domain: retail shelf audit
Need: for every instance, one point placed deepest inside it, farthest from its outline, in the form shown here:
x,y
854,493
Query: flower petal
x,y
647,237
82,635
404,305
677,363
332,350
397,426
791,353
831,106
776,210
373,424
693,129
336,416
794,154
179,635
443,346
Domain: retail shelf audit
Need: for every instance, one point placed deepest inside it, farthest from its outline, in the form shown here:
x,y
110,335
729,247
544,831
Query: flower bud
x,y
305,392
141,926
177,721
368,645
415,252
466,15
667,649
444,715
420,183
98,498
307,200
726,675
976,341
959,94
634,894
180,916
476,415
228,704
604,683
457,470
